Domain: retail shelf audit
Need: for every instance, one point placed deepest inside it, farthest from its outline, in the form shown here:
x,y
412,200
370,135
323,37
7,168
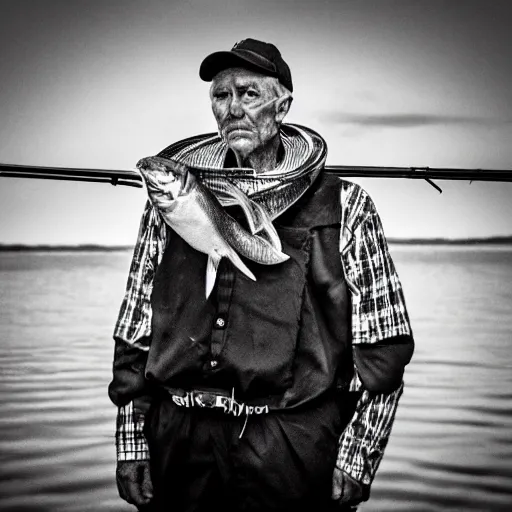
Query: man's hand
x,y
346,490
134,482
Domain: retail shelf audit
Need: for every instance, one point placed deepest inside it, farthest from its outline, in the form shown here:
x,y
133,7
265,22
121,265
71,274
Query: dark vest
x,y
283,339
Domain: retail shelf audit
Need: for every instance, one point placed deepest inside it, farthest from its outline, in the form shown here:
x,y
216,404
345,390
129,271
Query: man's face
x,y
244,104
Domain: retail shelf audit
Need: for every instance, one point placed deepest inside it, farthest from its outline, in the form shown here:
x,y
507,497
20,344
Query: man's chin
x,y
241,145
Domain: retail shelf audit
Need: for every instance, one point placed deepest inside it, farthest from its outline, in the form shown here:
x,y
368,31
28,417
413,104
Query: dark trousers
x,y
201,460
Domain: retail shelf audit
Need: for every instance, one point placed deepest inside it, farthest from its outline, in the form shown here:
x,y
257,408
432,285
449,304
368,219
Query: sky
x,y
103,83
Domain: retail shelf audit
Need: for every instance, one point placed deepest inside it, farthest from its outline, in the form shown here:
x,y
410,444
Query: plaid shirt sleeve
x,y
134,320
130,441
133,325
378,305
362,444
378,313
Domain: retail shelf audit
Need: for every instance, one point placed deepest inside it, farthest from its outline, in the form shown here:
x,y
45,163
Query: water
x,y
451,446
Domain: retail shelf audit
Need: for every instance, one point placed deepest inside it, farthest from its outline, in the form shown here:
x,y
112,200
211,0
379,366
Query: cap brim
x,y
219,61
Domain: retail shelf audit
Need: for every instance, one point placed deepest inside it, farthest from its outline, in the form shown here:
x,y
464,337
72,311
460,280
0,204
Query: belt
x,y
214,399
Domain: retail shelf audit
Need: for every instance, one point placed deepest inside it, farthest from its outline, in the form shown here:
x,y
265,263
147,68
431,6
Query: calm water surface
x,y
451,446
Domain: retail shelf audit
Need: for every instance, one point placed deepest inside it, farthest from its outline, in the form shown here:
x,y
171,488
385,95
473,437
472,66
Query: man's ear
x,y
282,107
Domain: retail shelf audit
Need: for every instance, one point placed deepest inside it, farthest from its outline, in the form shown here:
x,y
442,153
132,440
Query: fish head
x,y
164,178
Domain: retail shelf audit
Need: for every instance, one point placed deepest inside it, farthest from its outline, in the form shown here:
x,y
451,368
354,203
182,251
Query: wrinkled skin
x,y
134,482
346,491
249,110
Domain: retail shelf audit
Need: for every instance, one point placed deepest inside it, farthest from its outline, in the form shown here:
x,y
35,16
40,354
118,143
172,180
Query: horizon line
x,y
499,239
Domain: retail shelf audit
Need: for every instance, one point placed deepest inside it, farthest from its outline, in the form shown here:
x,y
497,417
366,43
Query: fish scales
x,y
249,246
258,220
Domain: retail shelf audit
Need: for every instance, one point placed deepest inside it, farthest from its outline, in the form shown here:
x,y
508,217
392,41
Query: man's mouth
x,y
236,130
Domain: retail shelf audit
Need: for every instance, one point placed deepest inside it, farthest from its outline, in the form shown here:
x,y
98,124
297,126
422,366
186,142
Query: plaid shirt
x,y
378,313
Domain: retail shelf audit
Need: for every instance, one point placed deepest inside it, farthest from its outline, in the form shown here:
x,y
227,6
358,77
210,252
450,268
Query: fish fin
x,y
211,272
232,195
258,220
240,265
264,224
213,265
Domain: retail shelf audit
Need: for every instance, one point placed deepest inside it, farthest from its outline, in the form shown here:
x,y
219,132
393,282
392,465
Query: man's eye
x,y
251,94
220,95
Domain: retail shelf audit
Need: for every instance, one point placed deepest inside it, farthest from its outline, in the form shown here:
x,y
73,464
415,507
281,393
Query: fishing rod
x,y
114,177
133,179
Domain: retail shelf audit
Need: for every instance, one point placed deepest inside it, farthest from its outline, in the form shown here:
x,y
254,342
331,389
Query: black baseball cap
x,y
251,54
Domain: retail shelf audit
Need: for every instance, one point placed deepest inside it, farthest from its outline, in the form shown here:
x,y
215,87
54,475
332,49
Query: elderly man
x,y
277,393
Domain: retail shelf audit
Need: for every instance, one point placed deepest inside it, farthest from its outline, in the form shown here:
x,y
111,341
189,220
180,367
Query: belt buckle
x,y
205,399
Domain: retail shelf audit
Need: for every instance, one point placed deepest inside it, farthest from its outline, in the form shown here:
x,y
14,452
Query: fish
x,y
194,212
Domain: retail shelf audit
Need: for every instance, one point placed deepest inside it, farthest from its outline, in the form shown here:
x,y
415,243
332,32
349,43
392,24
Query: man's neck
x,y
265,158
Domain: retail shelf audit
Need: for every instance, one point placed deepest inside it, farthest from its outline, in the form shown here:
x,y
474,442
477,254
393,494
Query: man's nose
x,y
235,107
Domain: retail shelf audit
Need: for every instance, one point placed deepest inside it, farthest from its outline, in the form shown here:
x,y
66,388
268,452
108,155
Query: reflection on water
x,y
57,425
451,447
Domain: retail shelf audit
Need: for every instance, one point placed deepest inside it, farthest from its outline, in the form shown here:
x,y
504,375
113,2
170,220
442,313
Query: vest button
x,y
220,322
213,363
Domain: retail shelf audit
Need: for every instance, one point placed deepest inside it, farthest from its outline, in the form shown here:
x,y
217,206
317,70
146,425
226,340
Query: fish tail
x,y
270,255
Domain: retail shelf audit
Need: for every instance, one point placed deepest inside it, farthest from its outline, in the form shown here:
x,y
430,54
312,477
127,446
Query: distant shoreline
x,y
63,248
495,240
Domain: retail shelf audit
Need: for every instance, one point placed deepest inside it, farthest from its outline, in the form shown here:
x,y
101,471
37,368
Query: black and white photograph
x,y
255,256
